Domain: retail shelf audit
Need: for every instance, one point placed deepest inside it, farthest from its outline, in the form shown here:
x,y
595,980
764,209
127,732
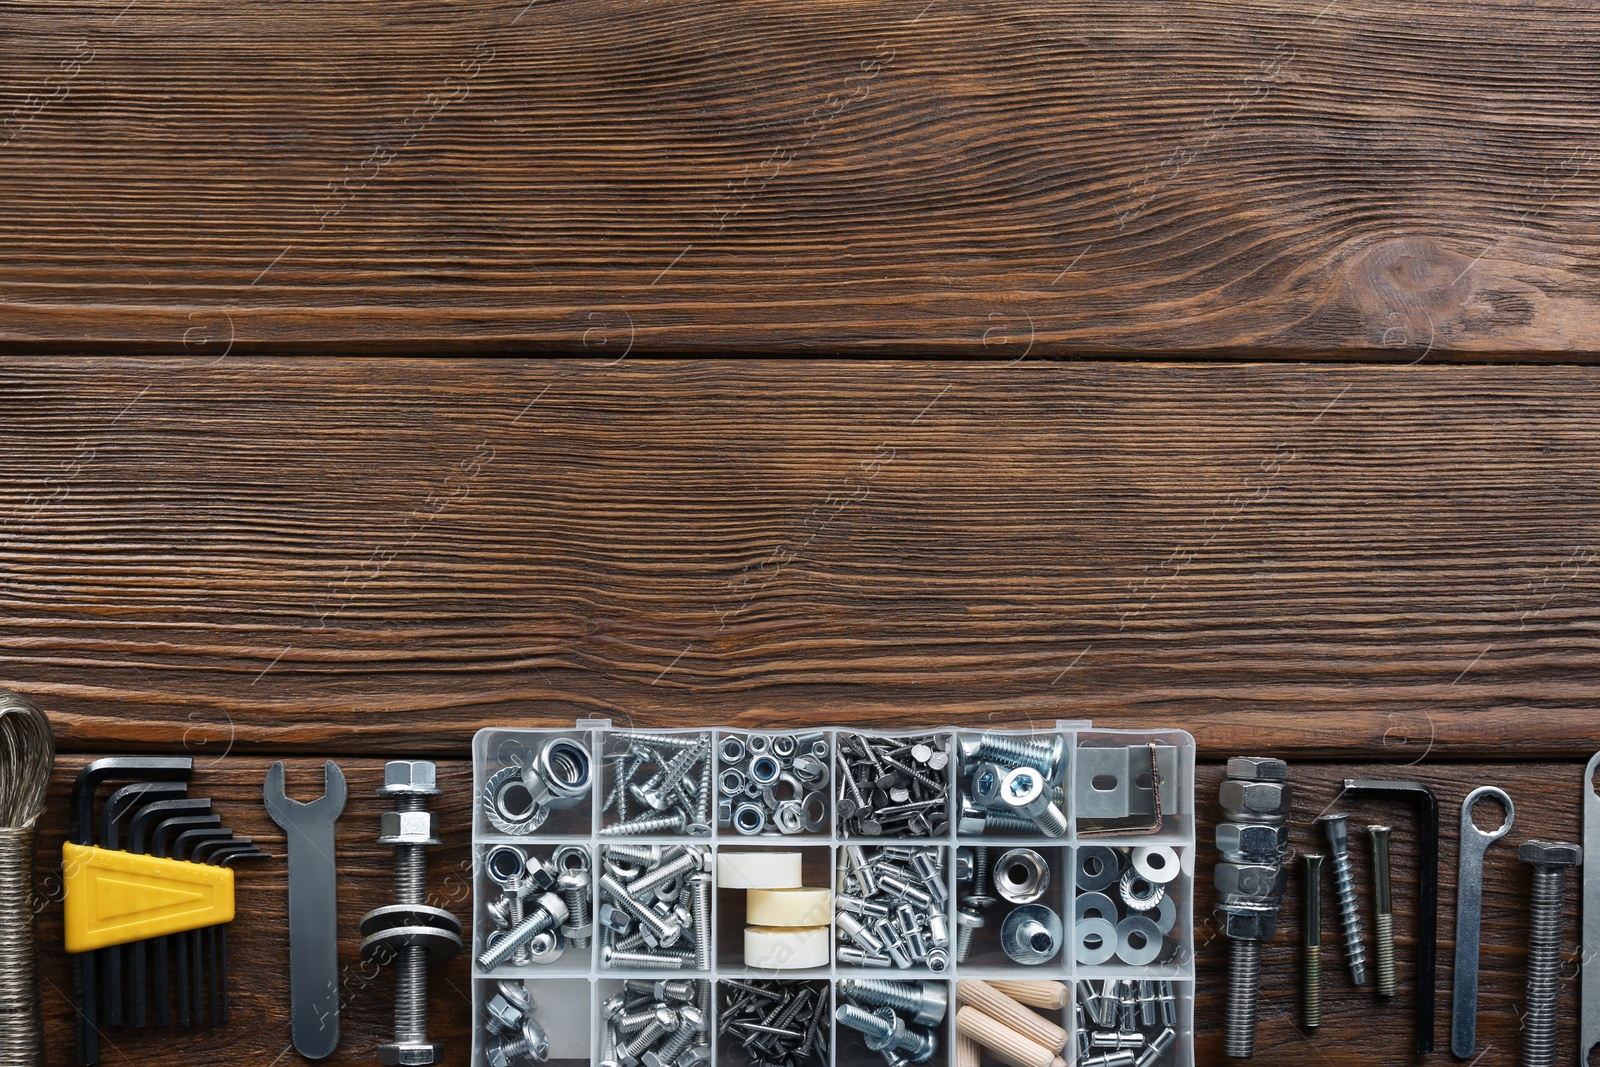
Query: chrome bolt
x,y
1550,861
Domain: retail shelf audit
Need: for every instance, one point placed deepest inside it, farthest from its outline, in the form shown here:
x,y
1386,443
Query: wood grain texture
x,y
382,557
258,1034
1388,179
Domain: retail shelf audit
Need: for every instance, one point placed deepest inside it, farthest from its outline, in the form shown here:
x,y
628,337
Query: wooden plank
x,y
382,557
1388,179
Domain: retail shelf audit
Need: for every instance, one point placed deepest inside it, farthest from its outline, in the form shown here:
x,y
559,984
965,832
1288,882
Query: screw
x,y
1344,887
665,1022
1550,860
884,1030
550,913
1383,917
1312,941
967,924
1049,756
700,909
575,889
613,957
649,824
926,1001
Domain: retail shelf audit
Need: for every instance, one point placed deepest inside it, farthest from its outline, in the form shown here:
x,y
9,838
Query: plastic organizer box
x,y
1110,796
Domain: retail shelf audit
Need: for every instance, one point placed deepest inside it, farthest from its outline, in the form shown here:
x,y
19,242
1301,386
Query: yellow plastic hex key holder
x,y
113,898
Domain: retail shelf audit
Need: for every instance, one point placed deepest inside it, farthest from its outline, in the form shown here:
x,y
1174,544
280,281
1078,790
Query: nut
x,y
1257,769
1250,925
971,820
1250,881
409,828
1550,853
416,777
1254,798
613,918
1251,842
542,874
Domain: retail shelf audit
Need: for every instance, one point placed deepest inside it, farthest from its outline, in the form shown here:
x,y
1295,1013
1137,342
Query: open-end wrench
x,y
1469,913
1589,991
313,908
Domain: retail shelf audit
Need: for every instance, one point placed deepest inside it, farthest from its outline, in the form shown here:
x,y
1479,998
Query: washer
x,y
1098,867
1020,876
815,807
1138,892
1094,906
1139,941
1094,941
1166,914
1158,863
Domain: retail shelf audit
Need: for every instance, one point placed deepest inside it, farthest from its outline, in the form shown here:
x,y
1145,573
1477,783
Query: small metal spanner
x,y
1469,909
313,908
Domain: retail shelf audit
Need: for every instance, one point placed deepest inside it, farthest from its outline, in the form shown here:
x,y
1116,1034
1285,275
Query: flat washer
x,y
1139,941
1098,867
1094,906
1157,863
1166,914
1094,941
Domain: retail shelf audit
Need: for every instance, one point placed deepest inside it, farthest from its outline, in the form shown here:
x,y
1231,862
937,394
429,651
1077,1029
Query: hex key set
x,y
813,899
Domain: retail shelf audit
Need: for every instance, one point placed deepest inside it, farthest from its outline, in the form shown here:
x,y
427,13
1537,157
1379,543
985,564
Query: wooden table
x,y
1376,571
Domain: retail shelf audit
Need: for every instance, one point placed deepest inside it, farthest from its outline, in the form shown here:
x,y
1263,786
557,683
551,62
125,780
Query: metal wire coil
x,y
27,755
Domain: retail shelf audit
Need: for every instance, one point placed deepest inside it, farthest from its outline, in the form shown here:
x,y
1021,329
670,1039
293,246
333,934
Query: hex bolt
x,y
700,909
575,891
1311,942
409,783
1344,887
968,923
926,1001
690,1025
550,913
1550,860
1250,889
665,1022
885,1031
1382,915
660,933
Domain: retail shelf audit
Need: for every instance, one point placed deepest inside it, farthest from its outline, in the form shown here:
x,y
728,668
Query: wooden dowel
x,y
967,1054
1035,993
1003,1043
1014,1016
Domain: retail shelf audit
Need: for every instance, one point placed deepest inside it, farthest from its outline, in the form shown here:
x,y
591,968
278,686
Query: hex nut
x,y
409,1054
972,819
409,828
1250,925
1258,769
615,919
1252,842
1254,798
963,865
1551,853
542,874
1250,881
415,777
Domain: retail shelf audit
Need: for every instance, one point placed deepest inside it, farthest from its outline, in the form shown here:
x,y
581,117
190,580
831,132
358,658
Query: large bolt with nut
x,y
1550,861
1249,879
410,933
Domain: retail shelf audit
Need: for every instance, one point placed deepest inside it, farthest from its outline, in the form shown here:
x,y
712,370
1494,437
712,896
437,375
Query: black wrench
x,y
141,838
313,907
